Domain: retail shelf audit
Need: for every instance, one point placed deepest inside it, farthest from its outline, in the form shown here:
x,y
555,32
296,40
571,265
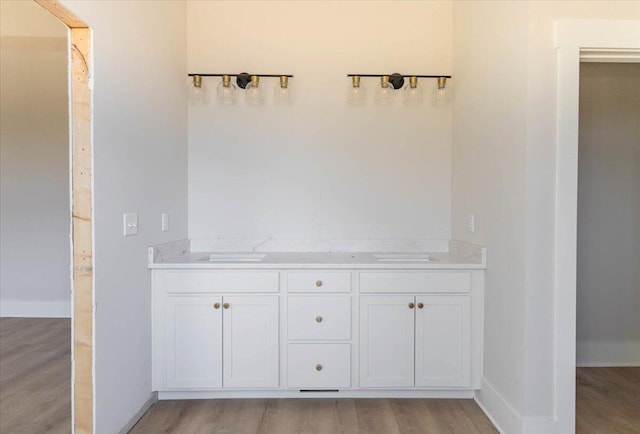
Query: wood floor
x,y
317,416
35,397
35,375
608,400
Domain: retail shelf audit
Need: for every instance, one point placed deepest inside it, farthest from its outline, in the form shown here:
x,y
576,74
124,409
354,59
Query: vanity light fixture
x,y
226,91
413,92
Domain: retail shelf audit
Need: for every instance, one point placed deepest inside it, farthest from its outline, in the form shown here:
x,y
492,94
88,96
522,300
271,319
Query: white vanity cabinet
x,y
204,340
421,335
415,341
276,330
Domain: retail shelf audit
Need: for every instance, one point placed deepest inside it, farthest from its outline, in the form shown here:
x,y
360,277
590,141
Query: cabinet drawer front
x,y
389,282
319,366
319,282
222,281
319,318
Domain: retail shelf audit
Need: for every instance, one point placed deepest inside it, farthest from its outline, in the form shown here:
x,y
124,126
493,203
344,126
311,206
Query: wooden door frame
x,y
82,282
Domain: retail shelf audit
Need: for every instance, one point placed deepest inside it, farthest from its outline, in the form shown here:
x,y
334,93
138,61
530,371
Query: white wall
x,y
608,324
34,168
529,236
140,153
320,170
489,178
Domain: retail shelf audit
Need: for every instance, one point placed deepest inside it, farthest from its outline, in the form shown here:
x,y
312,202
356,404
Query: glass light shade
x,y
253,92
441,93
283,92
356,93
385,94
413,93
198,92
226,93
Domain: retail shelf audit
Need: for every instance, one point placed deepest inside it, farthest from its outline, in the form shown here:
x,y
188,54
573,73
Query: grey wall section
x,y
34,166
608,324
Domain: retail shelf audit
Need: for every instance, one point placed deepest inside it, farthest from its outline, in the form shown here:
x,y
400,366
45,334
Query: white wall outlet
x,y
130,224
471,223
165,222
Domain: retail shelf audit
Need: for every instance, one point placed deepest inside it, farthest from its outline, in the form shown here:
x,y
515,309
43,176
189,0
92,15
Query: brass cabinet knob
x,y
216,305
226,305
318,318
411,305
420,305
318,367
318,283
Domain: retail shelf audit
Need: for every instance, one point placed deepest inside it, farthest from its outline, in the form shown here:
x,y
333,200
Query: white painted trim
x,y
504,417
136,417
35,309
256,394
539,426
609,56
606,353
570,37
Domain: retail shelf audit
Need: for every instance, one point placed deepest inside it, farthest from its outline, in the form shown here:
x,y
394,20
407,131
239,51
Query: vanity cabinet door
x,y
193,342
250,327
443,341
387,341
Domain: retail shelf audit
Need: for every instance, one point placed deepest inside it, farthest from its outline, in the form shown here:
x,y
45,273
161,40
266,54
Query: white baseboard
x,y
35,309
539,426
607,353
503,416
134,420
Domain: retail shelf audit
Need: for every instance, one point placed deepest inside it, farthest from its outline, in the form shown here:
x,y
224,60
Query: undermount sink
x,y
402,257
234,257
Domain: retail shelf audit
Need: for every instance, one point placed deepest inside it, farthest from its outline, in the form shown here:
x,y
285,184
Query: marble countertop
x,y
465,257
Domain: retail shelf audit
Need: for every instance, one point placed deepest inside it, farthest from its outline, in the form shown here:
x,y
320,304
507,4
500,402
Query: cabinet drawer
x,y
222,281
319,282
319,366
390,282
319,318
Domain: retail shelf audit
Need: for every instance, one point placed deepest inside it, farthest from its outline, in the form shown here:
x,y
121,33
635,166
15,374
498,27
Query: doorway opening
x,y
608,247
598,40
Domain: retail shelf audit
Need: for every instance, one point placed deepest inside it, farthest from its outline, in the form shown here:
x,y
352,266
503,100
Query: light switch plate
x,y
130,224
471,223
165,222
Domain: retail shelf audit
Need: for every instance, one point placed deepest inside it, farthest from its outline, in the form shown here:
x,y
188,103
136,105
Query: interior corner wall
x,y
140,166
489,158
608,274
320,169
34,163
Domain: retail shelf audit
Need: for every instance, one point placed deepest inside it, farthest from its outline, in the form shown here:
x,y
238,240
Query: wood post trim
x,y
62,13
82,230
81,216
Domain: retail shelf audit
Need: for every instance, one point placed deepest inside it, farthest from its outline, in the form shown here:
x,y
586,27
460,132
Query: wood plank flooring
x,y
317,416
608,400
35,375
35,397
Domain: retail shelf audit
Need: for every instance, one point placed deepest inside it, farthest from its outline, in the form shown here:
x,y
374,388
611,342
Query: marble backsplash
x,y
324,246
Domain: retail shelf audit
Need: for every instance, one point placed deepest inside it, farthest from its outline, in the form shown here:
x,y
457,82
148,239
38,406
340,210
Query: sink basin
x,y
234,257
402,257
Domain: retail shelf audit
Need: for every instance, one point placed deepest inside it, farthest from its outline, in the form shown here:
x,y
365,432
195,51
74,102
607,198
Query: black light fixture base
x,y
243,79
396,80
